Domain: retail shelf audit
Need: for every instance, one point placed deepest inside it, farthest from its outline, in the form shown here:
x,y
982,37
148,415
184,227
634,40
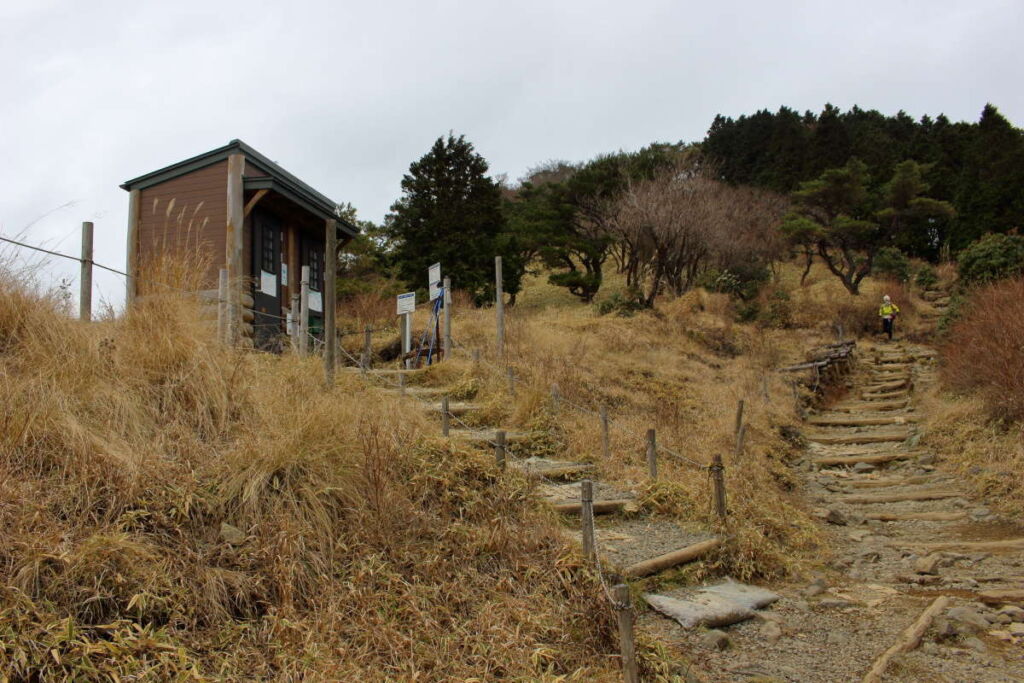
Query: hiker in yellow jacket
x,y
888,312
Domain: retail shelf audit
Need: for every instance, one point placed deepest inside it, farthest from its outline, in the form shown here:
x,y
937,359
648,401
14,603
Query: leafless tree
x,y
669,229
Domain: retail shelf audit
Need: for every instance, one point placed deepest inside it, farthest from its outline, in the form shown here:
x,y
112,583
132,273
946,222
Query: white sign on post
x,y
434,280
407,303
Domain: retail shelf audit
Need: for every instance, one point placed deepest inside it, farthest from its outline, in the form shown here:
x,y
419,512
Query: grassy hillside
x,y
175,508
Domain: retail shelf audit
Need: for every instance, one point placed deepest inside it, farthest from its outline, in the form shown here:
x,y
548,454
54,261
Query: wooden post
x,y
407,339
367,348
222,306
652,454
739,417
740,436
304,312
234,243
447,318
499,307
511,382
718,476
85,280
499,449
606,442
624,608
556,396
587,515
445,417
132,261
296,309
330,300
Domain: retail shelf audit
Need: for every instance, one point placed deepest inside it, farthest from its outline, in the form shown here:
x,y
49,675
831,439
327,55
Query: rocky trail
x,y
910,549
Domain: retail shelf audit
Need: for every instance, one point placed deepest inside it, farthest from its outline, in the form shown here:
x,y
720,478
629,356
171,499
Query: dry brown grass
x,y
984,353
371,550
681,369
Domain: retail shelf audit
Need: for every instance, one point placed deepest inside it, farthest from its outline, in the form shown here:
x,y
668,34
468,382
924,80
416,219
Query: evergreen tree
x,y
450,213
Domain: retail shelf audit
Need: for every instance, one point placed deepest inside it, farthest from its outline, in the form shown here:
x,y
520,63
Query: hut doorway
x,y
266,268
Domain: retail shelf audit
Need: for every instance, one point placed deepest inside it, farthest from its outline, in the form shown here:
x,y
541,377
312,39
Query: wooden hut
x,y
234,208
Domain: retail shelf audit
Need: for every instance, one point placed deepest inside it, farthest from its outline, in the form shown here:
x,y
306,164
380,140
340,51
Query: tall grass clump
x,y
174,508
984,353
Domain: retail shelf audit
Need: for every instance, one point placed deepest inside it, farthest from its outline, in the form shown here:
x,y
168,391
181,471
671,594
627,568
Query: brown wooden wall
x,y
185,218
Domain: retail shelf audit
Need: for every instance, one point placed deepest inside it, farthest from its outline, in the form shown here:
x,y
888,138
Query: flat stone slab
x,y
721,605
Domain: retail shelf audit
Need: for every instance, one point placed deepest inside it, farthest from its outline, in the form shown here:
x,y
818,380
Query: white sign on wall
x,y
434,280
284,274
315,302
407,303
268,283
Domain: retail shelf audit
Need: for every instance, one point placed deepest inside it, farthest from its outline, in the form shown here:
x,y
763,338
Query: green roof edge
x,y
313,200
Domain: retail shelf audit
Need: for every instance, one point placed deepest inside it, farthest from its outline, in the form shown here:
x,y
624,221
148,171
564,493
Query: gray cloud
x,y
345,95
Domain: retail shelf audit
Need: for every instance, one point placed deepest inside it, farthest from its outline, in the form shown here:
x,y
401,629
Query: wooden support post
x,y
367,348
222,306
132,262
740,436
447,318
330,300
511,382
499,449
304,312
739,417
499,307
445,417
293,331
85,280
407,339
718,476
587,516
652,454
606,442
624,608
234,244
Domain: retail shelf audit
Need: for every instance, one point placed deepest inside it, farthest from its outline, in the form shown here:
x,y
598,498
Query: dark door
x,y
313,256
266,272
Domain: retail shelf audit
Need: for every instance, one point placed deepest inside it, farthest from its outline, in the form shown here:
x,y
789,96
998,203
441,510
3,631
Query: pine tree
x,y
450,213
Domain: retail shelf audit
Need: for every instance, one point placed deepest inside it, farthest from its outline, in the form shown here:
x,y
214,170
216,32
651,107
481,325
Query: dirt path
x,y
902,533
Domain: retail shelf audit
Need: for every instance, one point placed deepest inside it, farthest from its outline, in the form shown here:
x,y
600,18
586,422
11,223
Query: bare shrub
x,y
984,352
674,226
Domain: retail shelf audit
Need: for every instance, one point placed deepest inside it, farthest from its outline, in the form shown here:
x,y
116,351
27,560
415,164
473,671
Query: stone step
x,y
860,437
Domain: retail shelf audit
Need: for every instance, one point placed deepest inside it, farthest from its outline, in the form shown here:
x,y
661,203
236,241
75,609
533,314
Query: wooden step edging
x,y
601,507
672,559
859,421
871,459
861,438
921,516
937,494
867,406
1008,545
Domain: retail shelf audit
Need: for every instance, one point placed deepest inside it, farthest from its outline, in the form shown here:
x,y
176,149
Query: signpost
x,y
434,280
406,307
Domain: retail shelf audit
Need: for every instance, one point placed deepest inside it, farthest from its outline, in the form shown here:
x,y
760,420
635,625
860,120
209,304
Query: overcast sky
x,y
346,94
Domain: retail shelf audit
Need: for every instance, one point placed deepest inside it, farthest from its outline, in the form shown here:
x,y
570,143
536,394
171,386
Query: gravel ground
x,y
833,629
